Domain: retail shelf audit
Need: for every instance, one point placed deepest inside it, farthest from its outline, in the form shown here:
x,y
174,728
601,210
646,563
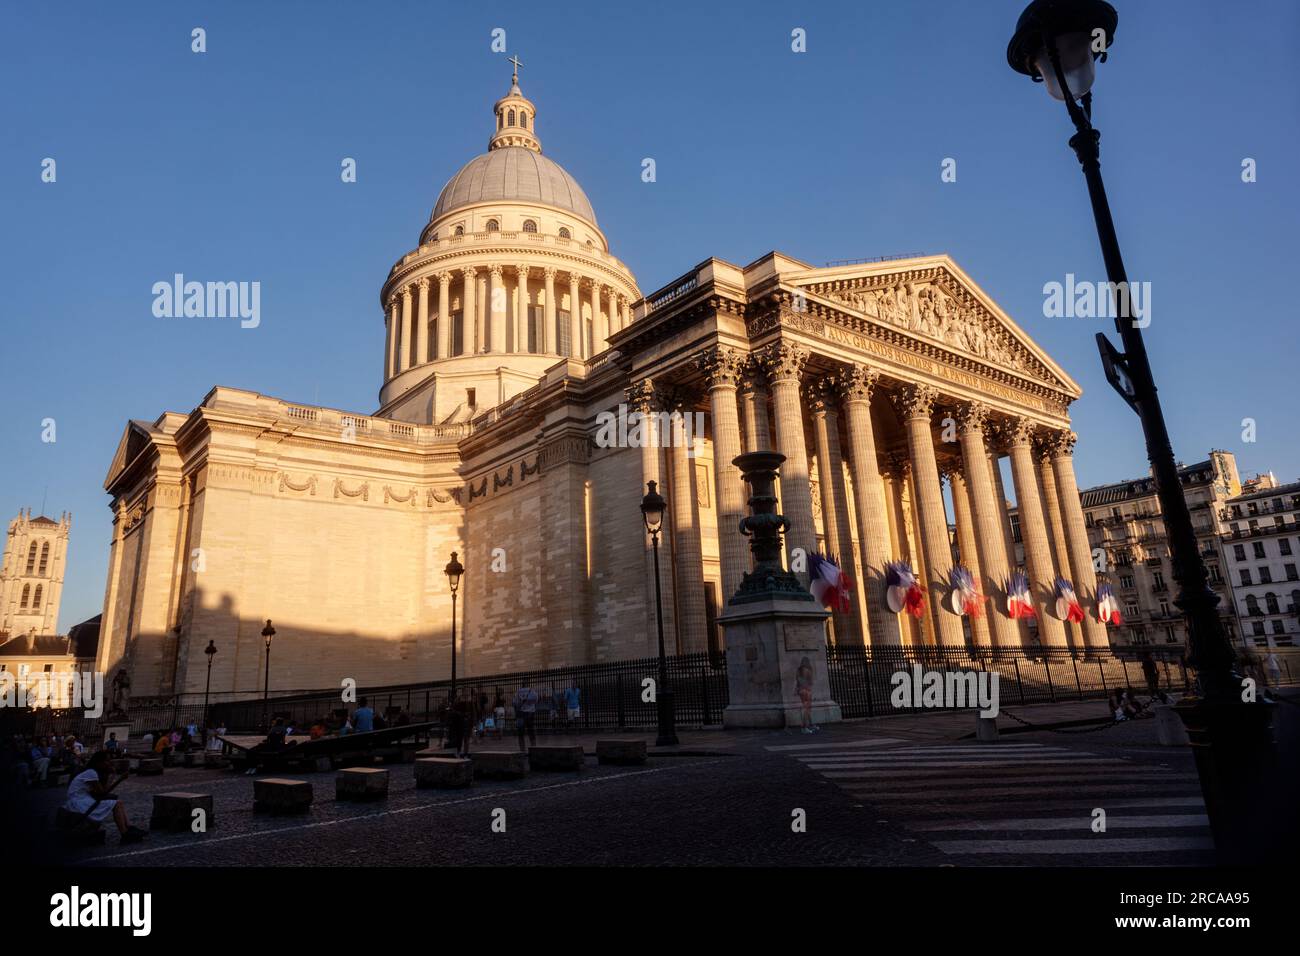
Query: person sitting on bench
x,y
88,798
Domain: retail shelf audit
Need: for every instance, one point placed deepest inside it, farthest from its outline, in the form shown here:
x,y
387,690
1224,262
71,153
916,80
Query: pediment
x,y
136,438
934,301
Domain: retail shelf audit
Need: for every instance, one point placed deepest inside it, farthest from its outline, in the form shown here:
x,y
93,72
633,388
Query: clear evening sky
x,y
225,166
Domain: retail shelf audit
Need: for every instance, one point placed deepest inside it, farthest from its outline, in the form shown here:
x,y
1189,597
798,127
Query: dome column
x,y
613,311
404,354
467,311
496,296
522,318
599,330
390,347
422,322
444,314
548,324
576,349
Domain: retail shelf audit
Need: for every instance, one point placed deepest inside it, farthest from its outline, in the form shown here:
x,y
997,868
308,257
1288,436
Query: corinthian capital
x,y
782,362
445,277
857,383
1019,431
915,401
1060,444
641,396
469,272
971,416
495,273
722,367
424,283
549,273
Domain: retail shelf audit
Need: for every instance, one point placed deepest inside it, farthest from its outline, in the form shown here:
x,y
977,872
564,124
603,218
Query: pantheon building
x,y
894,389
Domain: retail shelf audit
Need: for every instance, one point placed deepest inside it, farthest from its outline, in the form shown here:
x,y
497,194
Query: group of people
x,y
473,715
39,760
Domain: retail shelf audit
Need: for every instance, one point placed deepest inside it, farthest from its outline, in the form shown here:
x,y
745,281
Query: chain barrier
x,y
1141,714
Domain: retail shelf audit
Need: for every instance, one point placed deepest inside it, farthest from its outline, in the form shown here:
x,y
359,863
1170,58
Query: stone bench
x,y
121,764
444,772
281,795
500,764
175,811
620,751
361,783
215,760
149,766
169,758
555,757
432,753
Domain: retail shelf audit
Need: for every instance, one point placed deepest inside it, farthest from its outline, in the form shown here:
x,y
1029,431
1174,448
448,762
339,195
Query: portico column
x,y
422,322
641,398
1076,535
1004,516
444,314
599,327
915,403
523,321
835,504
1056,533
548,343
856,386
990,543
968,550
784,365
627,312
688,561
482,311
577,341
613,310
722,369
497,305
404,353
390,347
467,312
1033,532
753,406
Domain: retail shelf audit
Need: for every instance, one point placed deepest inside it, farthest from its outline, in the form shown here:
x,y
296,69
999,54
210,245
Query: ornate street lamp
x,y
268,632
211,651
652,513
453,570
1058,43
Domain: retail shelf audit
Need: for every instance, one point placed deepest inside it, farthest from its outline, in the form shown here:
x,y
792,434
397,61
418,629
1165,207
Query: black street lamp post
x,y
453,570
268,632
1058,43
211,652
652,513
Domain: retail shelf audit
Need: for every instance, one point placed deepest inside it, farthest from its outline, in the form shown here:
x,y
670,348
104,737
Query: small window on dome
x,y
511,120
500,120
523,120
590,243
493,225
460,230
530,226
564,233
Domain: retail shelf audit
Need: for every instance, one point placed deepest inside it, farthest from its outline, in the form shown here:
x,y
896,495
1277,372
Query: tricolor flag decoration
x,y
965,597
829,584
902,592
1067,605
1019,601
1107,605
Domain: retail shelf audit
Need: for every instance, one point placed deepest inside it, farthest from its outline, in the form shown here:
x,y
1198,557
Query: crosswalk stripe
x,y
1079,822
1003,772
1017,784
858,770
918,803
1102,844
1098,794
908,758
937,752
878,742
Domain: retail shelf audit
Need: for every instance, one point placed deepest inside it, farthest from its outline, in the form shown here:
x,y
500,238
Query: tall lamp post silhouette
x,y
1058,43
652,513
268,632
453,570
211,652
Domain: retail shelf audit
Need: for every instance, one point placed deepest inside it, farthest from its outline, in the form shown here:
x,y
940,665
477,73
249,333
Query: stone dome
x,y
514,173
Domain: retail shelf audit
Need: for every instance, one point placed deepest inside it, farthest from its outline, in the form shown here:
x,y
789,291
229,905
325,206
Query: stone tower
x,y
31,578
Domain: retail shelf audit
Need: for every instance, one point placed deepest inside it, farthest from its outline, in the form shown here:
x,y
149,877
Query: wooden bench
x,y
500,764
361,783
621,751
281,795
444,773
175,811
552,757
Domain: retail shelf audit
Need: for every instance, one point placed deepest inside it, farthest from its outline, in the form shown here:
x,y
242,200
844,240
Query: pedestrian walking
x,y
525,704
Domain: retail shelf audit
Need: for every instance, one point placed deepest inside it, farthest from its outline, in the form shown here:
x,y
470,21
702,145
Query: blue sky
x,y
225,166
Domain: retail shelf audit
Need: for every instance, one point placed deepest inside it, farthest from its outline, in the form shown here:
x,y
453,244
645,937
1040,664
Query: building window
x,y
1157,581
457,327
1258,628
1164,608
1279,627
1132,611
31,559
1215,576
460,231
493,225
1252,604
1245,576
1259,549
27,594
1239,552
563,342
536,321
1126,580
471,397
564,233
1265,575
36,597
530,226
523,119
1170,636
45,557
510,120
1284,546
1270,600
1290,572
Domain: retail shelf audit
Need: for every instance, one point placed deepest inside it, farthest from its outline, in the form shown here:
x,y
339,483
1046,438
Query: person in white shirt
x,y
88,798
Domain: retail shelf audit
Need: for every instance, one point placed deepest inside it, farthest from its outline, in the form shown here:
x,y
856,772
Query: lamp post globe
x,y
653,506
1059,43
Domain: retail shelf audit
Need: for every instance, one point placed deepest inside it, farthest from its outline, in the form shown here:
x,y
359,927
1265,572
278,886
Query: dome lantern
x,y
515,117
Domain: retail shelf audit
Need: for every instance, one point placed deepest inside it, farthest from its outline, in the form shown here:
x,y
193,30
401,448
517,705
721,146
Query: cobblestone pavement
x,y
877,793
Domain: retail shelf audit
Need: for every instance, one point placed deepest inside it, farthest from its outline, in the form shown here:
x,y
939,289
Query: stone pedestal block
x,y
280,795
500,764
768,642
215,761
175,811
445,773
149,766
555,757
620,751
361,783
986,728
